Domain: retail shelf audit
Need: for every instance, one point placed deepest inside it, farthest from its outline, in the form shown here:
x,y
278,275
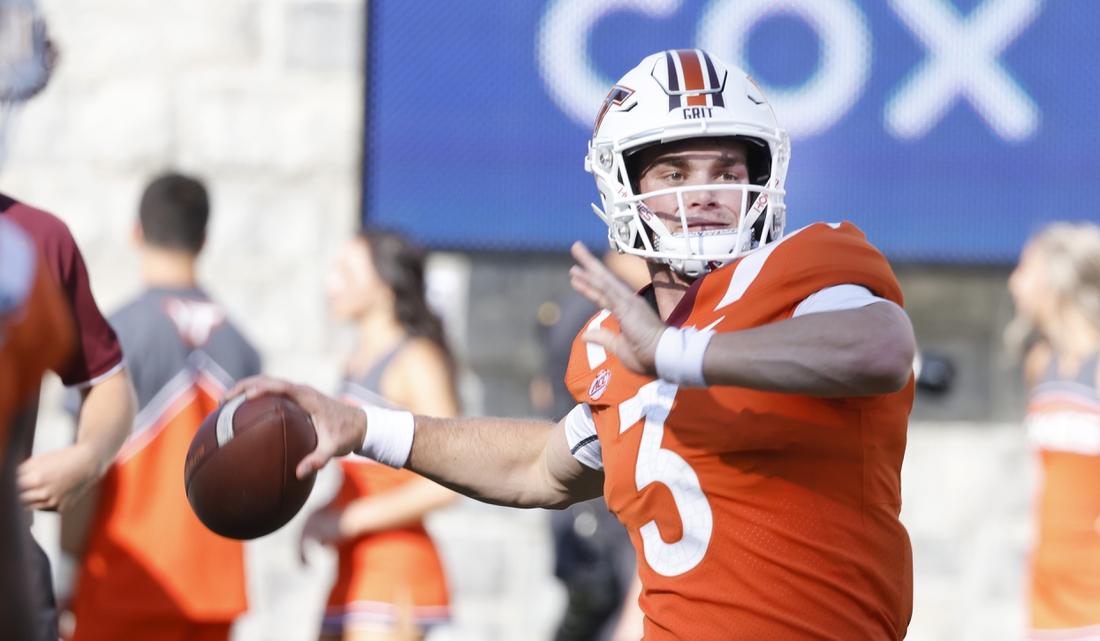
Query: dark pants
x,y
596,561
28,611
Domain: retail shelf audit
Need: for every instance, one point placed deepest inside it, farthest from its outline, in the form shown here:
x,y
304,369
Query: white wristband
x,y
679,357
389,436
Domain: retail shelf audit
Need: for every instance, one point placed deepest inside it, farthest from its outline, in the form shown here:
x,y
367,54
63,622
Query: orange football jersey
x,y
148,555
1063,422
758,515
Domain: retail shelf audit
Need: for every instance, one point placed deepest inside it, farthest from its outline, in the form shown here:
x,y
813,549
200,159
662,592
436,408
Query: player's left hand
x,y
639,326
55,480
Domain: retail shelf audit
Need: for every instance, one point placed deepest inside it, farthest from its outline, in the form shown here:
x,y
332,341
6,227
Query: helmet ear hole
x,y
630,170
759,160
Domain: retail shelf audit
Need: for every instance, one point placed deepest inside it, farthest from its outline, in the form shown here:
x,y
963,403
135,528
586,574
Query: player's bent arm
x,y
502,461
853,352
54,480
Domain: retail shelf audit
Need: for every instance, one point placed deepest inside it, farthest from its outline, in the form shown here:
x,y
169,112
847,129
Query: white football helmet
x,y
671,96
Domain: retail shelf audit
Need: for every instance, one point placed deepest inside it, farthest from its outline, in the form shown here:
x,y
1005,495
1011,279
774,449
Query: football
x,y
239,472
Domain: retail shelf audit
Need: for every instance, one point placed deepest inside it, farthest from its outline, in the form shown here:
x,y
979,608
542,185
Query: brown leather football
x,y
239,472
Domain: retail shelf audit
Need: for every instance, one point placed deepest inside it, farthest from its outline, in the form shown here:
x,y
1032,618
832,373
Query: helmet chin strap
x,y
715,242
711,242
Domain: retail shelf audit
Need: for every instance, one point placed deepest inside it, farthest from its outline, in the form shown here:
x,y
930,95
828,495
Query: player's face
x,y
686,163
353,286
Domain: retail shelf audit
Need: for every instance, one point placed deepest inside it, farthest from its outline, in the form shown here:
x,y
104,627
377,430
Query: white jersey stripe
x,y
1074,432
580,435
596,354
747,270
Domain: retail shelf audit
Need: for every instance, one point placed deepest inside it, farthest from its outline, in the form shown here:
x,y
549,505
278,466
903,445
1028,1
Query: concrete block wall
x,y
966,502
261,99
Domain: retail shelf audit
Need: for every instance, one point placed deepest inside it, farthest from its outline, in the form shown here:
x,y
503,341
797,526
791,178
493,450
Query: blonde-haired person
x,y
1056,287
388,567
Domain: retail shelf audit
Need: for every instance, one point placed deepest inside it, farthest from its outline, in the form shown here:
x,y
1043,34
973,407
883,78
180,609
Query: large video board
x,y
948,131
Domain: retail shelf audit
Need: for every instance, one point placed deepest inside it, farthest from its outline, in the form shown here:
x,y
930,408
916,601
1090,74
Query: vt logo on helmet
x,y
676,96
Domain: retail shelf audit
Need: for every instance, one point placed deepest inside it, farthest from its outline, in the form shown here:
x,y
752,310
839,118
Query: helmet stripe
x,y
712,75
673,82
693,76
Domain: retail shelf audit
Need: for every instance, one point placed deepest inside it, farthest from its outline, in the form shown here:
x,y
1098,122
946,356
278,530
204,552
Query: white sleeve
x,y
837,298
580,434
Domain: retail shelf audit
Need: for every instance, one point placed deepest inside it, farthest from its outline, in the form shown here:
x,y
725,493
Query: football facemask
x,y
677,95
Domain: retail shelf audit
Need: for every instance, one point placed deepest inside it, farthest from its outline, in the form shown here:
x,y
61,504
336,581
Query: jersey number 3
x,y
656,465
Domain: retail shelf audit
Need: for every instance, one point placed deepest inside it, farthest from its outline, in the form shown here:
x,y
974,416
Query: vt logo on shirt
x,y
195,320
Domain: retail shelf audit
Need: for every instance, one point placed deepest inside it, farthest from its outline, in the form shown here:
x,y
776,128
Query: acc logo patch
x,y
599,384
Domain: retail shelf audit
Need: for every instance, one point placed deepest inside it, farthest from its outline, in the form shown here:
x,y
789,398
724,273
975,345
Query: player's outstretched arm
x,y
855,352
640,327
501,461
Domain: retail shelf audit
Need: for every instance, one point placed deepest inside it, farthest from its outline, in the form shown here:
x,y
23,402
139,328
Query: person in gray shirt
x,y
183,353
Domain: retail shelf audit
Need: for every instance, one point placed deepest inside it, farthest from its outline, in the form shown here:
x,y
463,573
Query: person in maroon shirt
x,y
36,334
55,480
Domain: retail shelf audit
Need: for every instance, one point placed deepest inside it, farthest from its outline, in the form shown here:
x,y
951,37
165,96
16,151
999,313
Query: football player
x,y
744,417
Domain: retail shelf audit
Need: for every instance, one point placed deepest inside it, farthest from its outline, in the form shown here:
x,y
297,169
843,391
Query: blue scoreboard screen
x,y
948,130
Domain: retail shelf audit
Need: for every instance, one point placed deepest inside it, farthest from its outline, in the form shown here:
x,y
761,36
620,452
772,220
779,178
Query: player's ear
x,y
202,244
138,235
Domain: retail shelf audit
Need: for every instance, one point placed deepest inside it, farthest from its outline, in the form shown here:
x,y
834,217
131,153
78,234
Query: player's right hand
x,y
640,329
340,428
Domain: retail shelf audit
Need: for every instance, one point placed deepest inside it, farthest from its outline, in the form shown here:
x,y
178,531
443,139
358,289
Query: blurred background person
x,y
1056,287
150,569
375,521
55,480
36,333
594,557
